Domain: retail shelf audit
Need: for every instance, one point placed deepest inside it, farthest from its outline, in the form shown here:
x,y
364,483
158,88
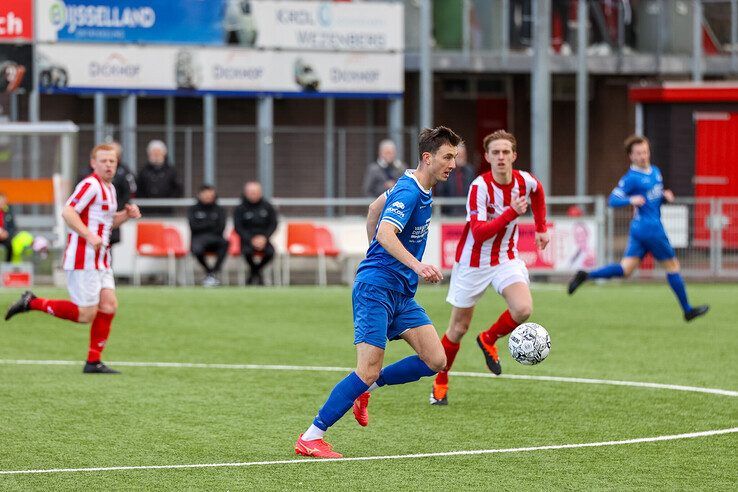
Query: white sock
x,y
372,388
313,433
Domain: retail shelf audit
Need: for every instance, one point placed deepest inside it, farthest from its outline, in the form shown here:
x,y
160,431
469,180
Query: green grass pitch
x,y
53,416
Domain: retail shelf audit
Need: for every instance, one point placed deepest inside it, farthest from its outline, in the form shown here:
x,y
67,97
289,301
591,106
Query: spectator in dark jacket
x,y
255,220
207,222
124,183
7,226
457,184
382,174
158,179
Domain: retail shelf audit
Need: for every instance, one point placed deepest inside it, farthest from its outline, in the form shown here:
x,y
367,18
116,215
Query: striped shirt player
x,y
486,243
642,187
383,296
90,213
487,254
96,204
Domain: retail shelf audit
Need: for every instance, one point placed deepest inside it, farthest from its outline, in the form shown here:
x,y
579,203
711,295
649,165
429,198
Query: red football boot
x,y
317,448
360,409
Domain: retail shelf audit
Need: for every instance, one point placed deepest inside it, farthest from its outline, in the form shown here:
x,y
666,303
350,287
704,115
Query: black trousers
x,y
209,243
257,259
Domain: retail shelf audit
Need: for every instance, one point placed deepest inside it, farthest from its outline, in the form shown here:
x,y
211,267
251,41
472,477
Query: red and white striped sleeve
x,y
476,201
537,201
83,194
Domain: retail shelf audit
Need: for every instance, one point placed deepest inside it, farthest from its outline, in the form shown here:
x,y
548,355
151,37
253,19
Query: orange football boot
x,y
490,355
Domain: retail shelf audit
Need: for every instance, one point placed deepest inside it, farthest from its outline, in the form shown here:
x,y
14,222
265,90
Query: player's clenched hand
x,y
520,205
542,240
94,240
637,200
133,211
669,196
429,273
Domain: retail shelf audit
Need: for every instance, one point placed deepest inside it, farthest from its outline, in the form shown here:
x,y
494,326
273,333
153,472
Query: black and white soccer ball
x,y
529,344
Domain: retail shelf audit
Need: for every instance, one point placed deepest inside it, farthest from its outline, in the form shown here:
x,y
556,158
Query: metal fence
x,y
302,167
703,231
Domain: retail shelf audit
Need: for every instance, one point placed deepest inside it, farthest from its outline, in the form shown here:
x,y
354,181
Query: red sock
x,y
99,332
504,325
451,350
60,308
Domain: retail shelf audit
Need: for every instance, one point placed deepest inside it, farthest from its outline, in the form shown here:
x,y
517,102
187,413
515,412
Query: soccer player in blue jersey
x,y
643,188
383,294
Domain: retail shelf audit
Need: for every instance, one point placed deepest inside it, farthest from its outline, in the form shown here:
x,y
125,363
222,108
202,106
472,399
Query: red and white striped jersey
x,y
96,203
485,244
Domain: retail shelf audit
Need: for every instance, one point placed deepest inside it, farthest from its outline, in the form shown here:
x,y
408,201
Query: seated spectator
x,y
457,184
124,183
158,179
382,174
207,222
7,227
255,220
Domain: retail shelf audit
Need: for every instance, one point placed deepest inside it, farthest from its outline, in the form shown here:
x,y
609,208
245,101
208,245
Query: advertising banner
x,y
332,26
74,68
285,25
573,245
15,68
134,21
16,20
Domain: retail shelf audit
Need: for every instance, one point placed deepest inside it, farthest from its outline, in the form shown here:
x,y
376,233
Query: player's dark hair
x,y
431,139
634,140
500,135
206,187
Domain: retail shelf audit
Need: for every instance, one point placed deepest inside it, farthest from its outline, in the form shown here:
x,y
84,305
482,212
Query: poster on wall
x,y
572,246
269,24
76,68
15,68
16,20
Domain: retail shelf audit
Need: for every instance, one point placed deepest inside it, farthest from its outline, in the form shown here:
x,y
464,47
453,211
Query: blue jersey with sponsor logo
x,y
408,207
648,184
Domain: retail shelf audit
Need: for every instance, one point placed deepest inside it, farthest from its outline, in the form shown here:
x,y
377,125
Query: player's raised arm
x,y
373,215
621,196
483,229
387,237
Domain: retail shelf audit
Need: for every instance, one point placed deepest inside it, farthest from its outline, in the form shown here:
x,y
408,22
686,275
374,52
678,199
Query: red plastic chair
x,y
305,239
156,240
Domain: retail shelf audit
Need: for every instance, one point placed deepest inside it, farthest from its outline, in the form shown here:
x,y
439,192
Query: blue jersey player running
x,y
383,294
643,188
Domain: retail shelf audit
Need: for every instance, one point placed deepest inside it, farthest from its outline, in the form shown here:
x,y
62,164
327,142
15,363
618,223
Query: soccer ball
x,y
529,344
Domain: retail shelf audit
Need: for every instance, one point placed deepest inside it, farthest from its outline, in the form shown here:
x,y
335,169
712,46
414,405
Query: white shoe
x,y
210,281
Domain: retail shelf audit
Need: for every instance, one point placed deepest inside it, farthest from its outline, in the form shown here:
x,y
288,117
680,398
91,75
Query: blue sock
x,y
607,271
339,401
404,371
677,285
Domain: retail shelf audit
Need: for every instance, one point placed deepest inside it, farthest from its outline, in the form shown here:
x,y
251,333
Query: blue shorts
x,y
381,314
656,243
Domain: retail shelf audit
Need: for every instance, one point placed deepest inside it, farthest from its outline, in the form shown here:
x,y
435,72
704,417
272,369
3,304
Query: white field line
x,y
269,367
472,452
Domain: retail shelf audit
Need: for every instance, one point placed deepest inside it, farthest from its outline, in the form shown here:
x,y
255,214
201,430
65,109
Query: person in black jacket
x,y
207,222
124,183
7,226
158,179
255,220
